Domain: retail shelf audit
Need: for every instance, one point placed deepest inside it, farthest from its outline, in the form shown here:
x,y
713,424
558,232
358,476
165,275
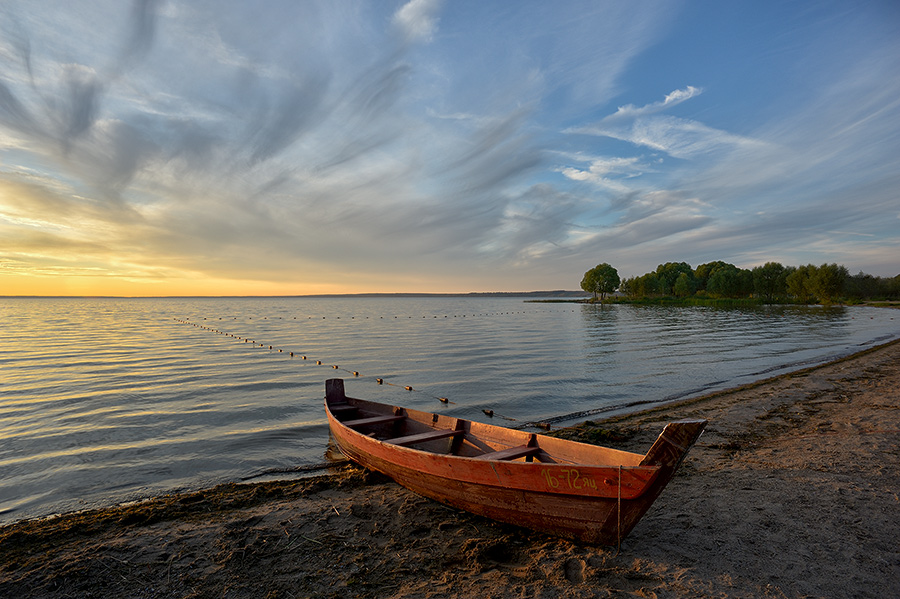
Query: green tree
x,y
649,284
601,279
668,274
799,282
703,272
722,279
892,288
769,280
725,281
828,282
629,287
863,286
684,285
746,283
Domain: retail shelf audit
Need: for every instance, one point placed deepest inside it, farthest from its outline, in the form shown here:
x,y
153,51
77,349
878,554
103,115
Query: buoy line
x,y
378,380
306,358
407,316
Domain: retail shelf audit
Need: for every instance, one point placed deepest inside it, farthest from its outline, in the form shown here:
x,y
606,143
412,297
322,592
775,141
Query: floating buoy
x,y
335,367
319,362
443,400
489,412
408,388
379,381
355,373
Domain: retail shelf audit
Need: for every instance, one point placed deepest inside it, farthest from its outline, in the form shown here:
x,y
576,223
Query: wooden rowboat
x,y
590,493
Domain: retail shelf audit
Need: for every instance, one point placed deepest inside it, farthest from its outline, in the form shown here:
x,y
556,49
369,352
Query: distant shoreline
x,y
555,293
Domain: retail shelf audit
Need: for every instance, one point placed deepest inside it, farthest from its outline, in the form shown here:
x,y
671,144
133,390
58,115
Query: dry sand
x,y
791,492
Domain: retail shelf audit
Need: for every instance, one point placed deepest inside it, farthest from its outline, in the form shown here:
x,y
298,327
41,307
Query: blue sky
x,y
218,147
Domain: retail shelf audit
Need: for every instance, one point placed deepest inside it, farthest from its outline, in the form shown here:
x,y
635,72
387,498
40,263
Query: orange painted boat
x,y
585,492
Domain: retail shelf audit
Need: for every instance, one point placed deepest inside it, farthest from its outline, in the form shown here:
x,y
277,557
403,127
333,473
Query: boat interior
x,y
449,435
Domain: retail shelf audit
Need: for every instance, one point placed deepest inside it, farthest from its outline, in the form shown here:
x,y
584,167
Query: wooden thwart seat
x,y
338,409
512,453
372,421
422,437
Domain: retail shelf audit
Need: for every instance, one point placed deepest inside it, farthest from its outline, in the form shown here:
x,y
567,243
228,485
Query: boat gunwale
x,y
567,442
508,473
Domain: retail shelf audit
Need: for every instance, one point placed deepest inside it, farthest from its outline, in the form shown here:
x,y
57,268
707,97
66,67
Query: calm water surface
x,y
108,400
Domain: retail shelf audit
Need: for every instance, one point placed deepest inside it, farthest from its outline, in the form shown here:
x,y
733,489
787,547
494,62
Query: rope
x,y
467,315
619,516
378,380
355,373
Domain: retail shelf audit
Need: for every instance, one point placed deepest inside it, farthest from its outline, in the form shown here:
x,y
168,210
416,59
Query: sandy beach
x,y
791,492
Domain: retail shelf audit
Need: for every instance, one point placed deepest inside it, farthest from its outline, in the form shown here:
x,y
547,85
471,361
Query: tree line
x,y
771,282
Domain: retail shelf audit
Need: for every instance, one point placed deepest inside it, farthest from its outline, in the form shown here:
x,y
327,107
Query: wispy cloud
x,y
418,19
677,137
382,143
630,111
612,173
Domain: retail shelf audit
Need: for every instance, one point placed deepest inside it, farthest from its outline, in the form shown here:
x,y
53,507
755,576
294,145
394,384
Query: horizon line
x,y
311,295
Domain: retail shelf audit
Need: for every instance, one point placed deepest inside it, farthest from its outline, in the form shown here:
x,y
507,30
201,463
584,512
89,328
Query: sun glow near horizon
x,y
438,147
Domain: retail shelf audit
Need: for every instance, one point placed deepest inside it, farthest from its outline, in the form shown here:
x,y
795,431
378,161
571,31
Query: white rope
x,y
619,516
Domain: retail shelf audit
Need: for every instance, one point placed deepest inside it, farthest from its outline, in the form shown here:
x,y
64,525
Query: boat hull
x,y
593,503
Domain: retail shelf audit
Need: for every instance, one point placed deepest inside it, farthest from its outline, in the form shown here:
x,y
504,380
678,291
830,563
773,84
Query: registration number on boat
x,y
570,478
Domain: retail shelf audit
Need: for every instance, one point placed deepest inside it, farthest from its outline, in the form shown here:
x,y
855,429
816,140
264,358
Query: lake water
x,y
109,400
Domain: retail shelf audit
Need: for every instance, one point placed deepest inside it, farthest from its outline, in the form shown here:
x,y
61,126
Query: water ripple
x,y
108,400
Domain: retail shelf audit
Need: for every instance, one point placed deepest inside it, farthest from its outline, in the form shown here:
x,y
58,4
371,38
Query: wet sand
x,y
792,491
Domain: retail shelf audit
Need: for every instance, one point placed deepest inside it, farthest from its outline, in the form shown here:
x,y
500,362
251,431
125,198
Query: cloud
x,y
14,115
417,19
308,142
680,138
630,111
278,124
299,148
534,224
677,137
143,29
608,172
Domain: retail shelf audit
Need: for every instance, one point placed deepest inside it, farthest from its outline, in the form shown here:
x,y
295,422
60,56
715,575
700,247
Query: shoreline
x,y
506,294
791,492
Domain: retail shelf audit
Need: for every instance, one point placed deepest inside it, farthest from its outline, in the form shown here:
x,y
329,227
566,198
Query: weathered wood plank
x,y
372,420
512,453
422,437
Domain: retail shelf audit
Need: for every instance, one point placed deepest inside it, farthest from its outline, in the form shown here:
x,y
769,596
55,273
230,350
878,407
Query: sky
x,y
226,147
